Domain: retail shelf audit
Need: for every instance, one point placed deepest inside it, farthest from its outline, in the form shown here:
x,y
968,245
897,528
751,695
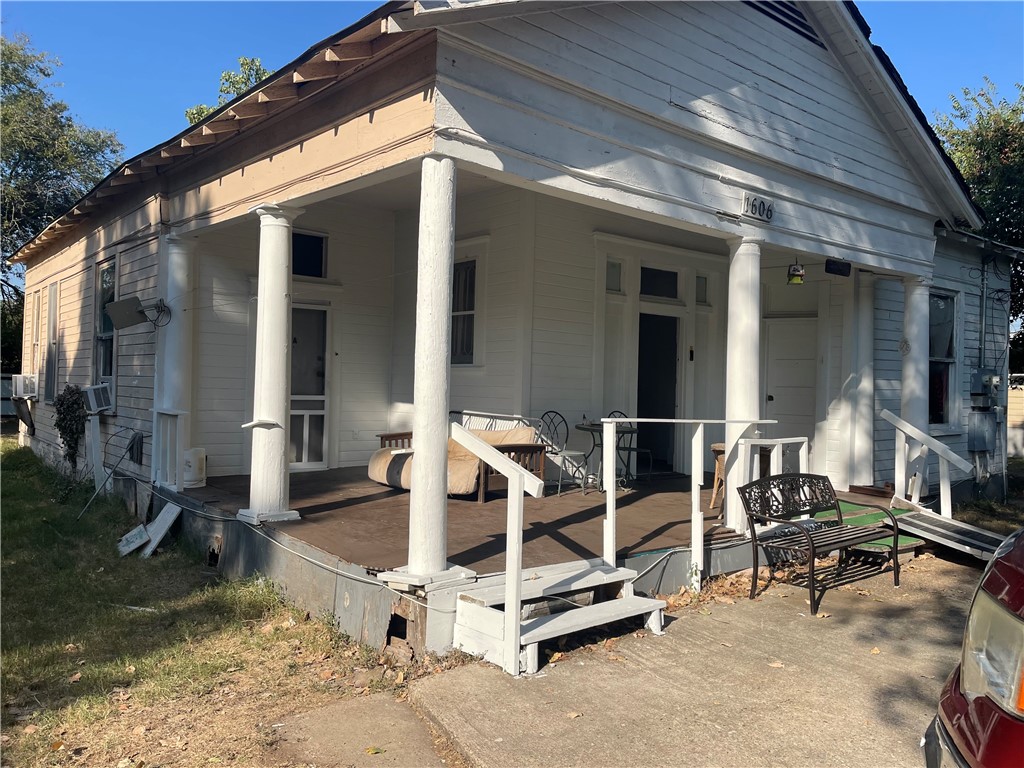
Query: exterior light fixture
x,y
796,273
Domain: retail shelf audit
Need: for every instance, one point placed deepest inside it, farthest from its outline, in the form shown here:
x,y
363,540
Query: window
x,y
701,285
106,292
463,312
309,254
52,326
941,358
613,276
37,331
662,283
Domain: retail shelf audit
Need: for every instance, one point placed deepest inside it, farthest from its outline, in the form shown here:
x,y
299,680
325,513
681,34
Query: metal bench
x,y
790,504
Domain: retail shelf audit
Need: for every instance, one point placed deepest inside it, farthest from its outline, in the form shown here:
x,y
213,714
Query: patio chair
x,y
554,433
624,447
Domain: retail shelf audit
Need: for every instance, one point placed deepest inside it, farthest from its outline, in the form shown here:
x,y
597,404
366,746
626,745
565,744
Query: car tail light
x,y
993,655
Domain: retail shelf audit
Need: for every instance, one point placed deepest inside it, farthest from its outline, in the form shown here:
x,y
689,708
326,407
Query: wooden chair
x,y
718,485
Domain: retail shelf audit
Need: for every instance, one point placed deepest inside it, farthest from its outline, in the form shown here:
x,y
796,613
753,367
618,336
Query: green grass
x,y
69,605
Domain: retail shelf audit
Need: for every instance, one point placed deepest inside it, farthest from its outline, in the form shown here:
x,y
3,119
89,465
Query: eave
x,y
318,68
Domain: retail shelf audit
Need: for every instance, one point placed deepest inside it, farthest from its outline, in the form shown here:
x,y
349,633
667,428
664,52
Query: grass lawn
x,y
111,661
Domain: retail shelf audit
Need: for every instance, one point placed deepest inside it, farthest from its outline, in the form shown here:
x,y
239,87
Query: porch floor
x,y
349,516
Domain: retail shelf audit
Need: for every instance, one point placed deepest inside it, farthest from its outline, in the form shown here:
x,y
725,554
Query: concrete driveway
x,y
745,683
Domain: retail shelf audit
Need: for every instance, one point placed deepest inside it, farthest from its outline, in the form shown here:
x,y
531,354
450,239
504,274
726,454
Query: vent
x,y
25,386
98,399
789,16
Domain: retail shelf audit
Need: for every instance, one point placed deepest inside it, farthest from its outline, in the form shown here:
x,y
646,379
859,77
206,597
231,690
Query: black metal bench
x,y
782,499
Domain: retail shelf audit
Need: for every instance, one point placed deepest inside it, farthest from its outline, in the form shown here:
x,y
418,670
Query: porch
x,y
363,523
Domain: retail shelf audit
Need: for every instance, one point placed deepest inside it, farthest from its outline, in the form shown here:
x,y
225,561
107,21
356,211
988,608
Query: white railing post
x,y
696,513
608,468
900,470
513,574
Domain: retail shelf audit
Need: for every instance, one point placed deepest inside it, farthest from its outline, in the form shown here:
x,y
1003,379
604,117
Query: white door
x,y
790,381
308,449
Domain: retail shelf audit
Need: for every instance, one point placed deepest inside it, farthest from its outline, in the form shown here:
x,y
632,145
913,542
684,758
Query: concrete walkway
x,y
735,684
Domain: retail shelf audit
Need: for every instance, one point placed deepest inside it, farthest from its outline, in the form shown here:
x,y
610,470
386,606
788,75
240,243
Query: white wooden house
x,y
614,193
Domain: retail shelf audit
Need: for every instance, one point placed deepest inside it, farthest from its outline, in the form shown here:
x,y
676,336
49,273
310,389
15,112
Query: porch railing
x,y
912,472
697,449
519,482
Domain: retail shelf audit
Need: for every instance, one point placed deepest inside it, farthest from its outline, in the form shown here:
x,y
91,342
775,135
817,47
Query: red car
x,y
980,722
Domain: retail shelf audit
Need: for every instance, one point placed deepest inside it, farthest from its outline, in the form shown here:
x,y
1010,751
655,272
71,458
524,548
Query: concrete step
x,y
547,585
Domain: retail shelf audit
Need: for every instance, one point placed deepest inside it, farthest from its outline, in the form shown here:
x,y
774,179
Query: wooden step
x,y
542,628
550,585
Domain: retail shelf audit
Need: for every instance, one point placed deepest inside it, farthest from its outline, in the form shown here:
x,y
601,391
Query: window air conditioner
x,y
98,399
24,386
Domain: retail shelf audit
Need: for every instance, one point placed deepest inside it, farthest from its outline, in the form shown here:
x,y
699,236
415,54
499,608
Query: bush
x,y
70,421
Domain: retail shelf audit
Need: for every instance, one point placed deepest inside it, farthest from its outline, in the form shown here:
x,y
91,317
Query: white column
x,y
863,448
428,502
268,486
176,370
914,348
742,365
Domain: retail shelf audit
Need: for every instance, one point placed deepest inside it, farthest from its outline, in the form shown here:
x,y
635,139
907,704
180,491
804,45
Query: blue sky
x,y
134,67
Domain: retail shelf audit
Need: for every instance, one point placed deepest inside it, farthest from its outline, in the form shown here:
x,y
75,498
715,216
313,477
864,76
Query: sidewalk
x,y
741,684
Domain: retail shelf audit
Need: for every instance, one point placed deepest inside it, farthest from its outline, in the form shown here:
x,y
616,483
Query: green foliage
x,y
232,84
12,312
49,161
984,136
69,407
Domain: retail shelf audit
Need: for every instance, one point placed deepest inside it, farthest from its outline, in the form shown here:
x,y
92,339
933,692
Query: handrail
x,y
946,457
696,477
486,452
519,482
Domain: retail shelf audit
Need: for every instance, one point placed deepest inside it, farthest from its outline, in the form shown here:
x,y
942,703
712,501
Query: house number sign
x,y
758,207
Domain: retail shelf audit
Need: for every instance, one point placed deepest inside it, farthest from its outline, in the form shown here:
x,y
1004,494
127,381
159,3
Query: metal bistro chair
x,y
624,447
554,433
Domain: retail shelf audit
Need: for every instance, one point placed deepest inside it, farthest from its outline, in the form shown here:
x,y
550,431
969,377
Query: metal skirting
x,y
950,533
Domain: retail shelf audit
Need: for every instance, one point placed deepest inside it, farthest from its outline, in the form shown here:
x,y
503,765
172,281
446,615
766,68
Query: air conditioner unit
x,y
24,386
98,399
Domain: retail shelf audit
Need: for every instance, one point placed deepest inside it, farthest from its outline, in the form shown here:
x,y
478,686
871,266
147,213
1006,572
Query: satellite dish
x,y
131,311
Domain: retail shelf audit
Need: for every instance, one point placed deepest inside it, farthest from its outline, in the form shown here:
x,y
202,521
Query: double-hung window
x,y
942,386
464,312
106,292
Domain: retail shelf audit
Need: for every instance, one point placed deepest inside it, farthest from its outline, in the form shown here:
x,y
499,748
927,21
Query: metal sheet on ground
x,y
951,533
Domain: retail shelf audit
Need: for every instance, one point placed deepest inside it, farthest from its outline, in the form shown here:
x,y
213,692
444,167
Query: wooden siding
x,y
677,108
359,293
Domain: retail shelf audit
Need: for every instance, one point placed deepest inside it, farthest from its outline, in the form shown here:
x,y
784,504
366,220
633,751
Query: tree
x,y
232,84
48,162
984,136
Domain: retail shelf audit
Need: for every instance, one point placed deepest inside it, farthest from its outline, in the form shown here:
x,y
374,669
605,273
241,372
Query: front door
x,y
309,388
656,387
790,382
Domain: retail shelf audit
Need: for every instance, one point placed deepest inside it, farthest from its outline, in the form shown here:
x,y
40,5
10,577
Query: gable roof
x,y
395,23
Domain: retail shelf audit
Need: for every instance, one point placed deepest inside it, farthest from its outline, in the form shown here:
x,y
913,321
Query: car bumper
x,y
939,749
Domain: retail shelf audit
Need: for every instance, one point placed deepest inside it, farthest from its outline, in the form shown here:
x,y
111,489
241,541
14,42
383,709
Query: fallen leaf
x,y
574,715
823,615
776,665
863,592
75,677
267,629
327,674
613,657
139,730
31,728
57,745
704,612
727,645
875,650
400,677
375,751
70,648
130,669
556,656
640,633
